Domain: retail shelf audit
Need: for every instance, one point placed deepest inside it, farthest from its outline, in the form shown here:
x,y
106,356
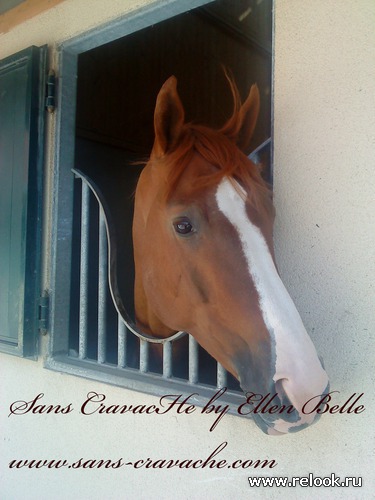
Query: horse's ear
x,y
240,127
168,118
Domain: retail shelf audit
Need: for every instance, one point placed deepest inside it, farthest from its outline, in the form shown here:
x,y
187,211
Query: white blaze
x,y
297,365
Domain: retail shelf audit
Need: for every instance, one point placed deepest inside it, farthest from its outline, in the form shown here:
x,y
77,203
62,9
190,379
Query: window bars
x,y
100,337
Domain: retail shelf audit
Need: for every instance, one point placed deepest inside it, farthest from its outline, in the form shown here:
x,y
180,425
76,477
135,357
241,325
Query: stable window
x,y
106,100
21,156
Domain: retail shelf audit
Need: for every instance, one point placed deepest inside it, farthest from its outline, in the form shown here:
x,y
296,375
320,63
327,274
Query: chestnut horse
x,y
205,263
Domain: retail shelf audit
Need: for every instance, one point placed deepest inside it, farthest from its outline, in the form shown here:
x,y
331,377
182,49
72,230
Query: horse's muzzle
x,y
274,413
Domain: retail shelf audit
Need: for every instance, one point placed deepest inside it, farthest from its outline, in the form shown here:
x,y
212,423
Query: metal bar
x,y
102,288
254,154
221,380
143,355
193,360
122,332
84,272
167,359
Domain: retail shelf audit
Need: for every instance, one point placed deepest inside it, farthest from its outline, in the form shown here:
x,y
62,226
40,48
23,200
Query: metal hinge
x,y
44,313
51,91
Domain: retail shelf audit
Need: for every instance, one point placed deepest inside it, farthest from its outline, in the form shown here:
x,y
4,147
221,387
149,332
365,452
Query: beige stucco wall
x,y
324,194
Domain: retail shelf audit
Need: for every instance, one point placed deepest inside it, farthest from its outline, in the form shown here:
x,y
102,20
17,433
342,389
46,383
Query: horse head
x,y
205,262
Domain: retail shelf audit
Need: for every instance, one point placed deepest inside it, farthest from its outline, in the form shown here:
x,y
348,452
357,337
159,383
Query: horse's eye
x,y
183,226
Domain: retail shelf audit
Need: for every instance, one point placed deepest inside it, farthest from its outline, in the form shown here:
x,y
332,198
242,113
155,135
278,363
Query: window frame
x,y
9,5
57,358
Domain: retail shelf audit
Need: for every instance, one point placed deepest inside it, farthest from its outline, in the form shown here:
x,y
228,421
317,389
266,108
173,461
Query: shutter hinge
x,y
51,91
44,313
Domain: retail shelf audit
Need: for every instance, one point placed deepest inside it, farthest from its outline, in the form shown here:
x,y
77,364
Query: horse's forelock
x,y
219,151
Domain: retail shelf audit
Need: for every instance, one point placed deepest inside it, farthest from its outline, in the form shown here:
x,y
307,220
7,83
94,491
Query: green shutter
x,y
21,156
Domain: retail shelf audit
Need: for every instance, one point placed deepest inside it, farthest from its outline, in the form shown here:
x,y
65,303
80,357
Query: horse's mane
x,y
221,152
